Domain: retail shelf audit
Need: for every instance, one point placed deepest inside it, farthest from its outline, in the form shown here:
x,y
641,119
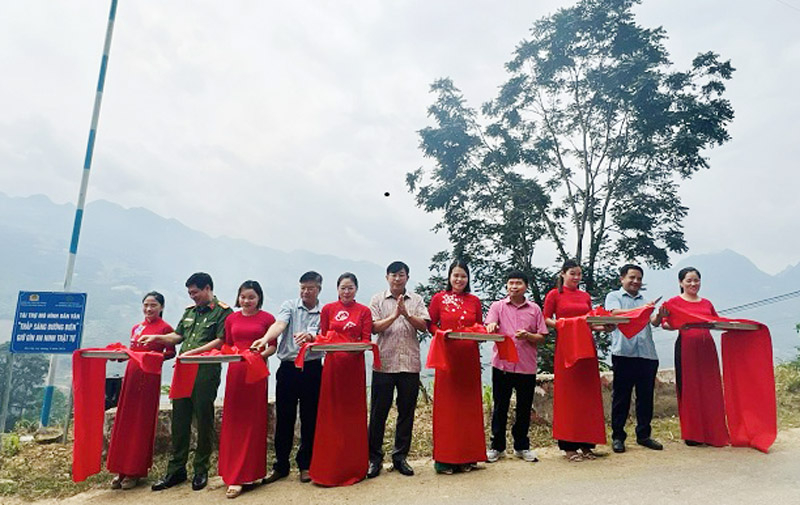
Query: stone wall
x,y
162,440
665,403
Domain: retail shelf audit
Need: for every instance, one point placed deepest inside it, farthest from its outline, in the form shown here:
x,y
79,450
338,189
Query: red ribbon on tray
x,y
334,337
185,373
437,357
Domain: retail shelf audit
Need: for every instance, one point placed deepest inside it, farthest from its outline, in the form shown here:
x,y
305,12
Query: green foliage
x,y
582,147
28,374
10,445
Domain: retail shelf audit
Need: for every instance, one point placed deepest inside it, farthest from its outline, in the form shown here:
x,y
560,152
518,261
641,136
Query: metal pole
x,y
76,228
7,390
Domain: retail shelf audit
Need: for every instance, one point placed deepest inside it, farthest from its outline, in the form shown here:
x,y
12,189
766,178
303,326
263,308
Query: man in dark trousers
x,y
200,324
635,363
297,322
397,316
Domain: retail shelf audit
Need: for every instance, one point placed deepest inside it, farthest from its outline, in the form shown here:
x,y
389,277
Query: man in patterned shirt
x,y
397,316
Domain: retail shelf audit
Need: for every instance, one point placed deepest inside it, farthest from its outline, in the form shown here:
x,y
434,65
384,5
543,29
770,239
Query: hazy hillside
x,y
126,252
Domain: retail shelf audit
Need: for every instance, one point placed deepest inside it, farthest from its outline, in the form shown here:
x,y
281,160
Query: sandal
x,y
116,482
465,468
129,482
573,457
233,491
588,454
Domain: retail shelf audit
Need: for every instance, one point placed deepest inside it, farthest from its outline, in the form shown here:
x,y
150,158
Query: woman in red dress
x,y
243,436
130,452
701,405
567,300
340,456
458,437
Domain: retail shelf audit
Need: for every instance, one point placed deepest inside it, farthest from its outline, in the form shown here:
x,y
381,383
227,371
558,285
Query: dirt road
x,y
677,475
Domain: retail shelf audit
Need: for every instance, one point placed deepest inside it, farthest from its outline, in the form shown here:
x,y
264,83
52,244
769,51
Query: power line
x,y
787,4
760,303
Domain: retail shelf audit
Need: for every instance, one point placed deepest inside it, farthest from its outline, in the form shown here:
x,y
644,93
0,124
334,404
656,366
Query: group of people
x,y
337,446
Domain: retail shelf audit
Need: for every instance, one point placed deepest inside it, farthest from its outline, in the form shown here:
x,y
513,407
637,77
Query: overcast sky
x,y
285,122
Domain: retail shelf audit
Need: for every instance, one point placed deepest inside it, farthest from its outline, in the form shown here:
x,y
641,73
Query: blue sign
x,y
48,322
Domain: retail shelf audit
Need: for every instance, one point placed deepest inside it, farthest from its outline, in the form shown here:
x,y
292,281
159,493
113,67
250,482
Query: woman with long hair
x,y
458,436
243,436
564,301
340,456
130,451
701,405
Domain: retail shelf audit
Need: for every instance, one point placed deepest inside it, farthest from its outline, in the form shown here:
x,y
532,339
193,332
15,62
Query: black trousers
x,y
295,386
383,386
630,373
503,384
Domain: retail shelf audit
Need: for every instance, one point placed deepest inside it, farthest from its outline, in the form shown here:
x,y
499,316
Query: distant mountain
x,y
729,280
124,253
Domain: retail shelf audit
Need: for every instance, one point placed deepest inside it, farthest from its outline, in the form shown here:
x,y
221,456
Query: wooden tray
x,y
726,325
615,320
349,347
105,355
480,337
202,360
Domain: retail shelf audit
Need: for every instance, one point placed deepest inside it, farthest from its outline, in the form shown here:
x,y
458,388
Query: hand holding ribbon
x,y
334,337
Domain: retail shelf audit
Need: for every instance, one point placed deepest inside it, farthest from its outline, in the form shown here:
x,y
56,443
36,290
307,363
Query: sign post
x,y
45,323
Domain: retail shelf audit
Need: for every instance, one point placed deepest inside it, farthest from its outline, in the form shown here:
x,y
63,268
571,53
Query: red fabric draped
x,y
88,384
185,373
341,414
577,398
748,377
639,318
334,337
437,355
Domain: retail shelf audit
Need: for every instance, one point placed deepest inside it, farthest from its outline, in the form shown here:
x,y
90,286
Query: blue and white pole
x,y
76,228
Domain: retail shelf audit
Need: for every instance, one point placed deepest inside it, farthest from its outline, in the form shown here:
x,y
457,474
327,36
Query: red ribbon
x,y
437,357
334,337
748,377
185,373
88,384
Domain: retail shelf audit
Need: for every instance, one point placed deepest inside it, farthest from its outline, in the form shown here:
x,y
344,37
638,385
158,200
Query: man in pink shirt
x,y
521,319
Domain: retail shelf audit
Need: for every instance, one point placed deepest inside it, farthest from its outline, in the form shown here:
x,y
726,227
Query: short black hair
x,y
201,280
347,275
623,270
517,274
311,276
395,267
255,286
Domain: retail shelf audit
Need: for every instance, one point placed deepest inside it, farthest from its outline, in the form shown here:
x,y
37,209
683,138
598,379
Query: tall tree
x,y
584,146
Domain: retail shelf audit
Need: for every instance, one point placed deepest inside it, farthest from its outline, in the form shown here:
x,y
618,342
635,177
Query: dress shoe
x,y
168,481
402,466
692,443
374,469
200,481
650,444
276,476
618,445
304,476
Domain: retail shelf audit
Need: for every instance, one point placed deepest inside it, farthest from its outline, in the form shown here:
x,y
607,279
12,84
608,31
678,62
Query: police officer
x,y
201,323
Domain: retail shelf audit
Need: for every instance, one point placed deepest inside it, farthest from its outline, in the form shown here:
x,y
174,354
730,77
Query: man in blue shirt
x,y
634,362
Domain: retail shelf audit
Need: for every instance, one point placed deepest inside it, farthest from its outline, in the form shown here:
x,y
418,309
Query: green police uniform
x,y
198,326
